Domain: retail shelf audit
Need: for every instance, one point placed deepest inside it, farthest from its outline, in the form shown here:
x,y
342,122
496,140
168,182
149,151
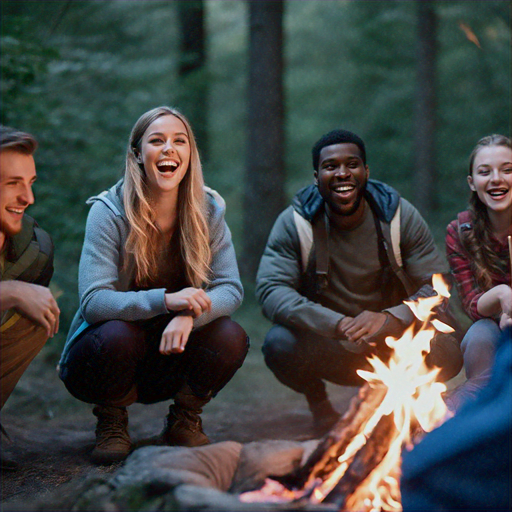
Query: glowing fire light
x,y
412,397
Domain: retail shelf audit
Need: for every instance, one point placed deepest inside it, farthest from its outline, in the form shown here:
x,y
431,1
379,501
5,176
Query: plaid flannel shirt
x,y
462,270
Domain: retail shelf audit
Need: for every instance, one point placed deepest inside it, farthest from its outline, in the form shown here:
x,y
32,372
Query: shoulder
x,y
383,199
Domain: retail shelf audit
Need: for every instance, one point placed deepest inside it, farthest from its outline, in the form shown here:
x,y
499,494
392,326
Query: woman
x,y
478,253
158,280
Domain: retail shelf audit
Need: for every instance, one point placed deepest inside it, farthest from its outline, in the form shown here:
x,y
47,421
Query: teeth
x,y
344,188
14,210
496,193
167,164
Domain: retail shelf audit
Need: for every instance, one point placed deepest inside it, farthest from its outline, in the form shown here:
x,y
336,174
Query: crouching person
x,y
158,280
338,264
30,314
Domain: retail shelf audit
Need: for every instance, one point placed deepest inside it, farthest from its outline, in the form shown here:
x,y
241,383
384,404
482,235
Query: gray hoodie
x,y
104,281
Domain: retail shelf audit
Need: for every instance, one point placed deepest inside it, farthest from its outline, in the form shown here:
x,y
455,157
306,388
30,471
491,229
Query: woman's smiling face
x,y
165,153
491,177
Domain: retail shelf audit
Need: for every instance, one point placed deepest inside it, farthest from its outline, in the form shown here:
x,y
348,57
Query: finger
x,y
176,344
163,344
196,307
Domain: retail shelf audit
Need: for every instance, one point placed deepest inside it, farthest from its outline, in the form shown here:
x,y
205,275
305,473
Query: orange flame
x,y
413,397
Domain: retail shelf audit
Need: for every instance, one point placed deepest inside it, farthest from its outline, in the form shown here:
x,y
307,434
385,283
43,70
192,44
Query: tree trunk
x,y
264,196
425,122
193,84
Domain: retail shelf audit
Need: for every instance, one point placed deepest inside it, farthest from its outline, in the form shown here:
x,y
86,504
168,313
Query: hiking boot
x,y
183,425
324,416
113,442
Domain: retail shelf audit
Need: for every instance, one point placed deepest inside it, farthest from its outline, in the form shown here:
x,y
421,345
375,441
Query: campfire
x,y
357,464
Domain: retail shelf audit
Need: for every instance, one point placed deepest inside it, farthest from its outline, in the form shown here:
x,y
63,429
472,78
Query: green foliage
x,y
78,74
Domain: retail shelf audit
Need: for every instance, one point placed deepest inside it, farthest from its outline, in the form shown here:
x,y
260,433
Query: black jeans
x,y
118,363
303,360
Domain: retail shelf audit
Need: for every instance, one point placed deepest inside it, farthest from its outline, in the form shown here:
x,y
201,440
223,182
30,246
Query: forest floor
x,y
53,434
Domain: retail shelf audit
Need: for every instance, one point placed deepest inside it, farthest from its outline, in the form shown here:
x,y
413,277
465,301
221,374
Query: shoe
x,y
113,442
183,425
324,416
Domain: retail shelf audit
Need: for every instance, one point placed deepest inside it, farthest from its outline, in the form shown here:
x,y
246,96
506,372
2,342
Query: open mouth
x,y
16,211
344,189
167,166
498,193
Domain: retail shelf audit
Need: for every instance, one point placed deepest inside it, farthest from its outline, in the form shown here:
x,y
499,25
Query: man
x,y
29,313
338,264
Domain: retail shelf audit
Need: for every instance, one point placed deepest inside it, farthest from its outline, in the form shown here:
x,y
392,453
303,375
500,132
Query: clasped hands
x,y
358,330
188,303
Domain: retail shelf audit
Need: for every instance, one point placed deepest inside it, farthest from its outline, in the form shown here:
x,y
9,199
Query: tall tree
x,y
264,183
425,109
193,83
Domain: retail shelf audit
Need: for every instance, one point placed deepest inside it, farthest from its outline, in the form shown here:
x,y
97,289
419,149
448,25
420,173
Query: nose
x,y
169,147
495,175
26,195
342,171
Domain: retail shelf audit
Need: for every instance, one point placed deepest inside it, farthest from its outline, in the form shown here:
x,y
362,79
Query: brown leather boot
x,y
324,416
113,441
183,425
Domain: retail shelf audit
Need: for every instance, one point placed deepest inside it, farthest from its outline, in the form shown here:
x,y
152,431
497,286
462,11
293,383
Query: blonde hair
x,y
477,241
144,238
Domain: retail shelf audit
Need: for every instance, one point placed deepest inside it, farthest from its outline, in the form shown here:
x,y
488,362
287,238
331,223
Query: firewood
x,y
325,457
368,457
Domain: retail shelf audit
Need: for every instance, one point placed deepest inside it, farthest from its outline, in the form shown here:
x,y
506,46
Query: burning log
x,y
365,461
324,459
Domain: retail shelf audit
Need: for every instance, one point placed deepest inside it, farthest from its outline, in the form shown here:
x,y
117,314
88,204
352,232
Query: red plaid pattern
x,y
462,271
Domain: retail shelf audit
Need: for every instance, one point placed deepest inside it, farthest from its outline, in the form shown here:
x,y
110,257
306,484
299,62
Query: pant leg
x,y
479,347
104,363
20,343
303,361
212,356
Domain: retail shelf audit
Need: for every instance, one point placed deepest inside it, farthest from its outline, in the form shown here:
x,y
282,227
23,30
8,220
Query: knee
x,y
225,335
278,347
484,335
445,353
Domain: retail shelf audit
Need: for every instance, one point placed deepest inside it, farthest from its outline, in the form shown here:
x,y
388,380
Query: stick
x,y
510,253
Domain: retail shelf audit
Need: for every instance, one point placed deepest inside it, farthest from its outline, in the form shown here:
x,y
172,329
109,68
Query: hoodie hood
x,y
113,198
382,198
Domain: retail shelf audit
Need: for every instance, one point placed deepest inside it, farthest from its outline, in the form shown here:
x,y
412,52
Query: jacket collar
x,y
382,199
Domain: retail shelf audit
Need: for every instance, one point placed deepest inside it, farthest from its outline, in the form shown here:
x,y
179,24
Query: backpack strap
x,y
395,236
305,232
321,238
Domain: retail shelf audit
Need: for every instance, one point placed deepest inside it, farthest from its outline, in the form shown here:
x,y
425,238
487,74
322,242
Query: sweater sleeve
x,y
225,289
278,279
460,266
102,296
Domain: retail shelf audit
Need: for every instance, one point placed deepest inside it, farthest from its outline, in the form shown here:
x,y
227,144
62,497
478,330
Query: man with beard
x,y
29,313
338,264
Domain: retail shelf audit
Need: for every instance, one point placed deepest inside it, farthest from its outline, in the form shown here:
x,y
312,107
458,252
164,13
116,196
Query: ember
x,y
357,464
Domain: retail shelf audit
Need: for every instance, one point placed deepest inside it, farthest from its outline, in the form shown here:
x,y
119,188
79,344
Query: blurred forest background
x,y
261,81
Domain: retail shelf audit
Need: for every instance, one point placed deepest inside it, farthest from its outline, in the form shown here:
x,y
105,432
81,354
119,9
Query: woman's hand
x,y
496,302
193,299
175,335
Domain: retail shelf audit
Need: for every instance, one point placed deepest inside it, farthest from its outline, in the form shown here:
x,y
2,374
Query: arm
x,y
225,291
497,302
104,293
33,301
278,280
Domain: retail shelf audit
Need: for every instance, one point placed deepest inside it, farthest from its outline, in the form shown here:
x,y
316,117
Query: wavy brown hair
x,y
477,241
145,238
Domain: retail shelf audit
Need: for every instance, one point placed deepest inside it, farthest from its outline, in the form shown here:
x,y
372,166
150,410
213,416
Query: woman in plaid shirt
x,y
478,253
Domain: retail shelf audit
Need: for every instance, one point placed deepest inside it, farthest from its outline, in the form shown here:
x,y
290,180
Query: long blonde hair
x,y
144,238
477,241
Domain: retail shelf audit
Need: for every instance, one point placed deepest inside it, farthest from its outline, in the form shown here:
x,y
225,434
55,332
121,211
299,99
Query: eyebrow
x,y
163,134
18,178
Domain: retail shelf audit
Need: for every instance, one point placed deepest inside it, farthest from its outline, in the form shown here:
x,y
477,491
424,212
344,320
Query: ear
x,y
471,184
367,171
315,175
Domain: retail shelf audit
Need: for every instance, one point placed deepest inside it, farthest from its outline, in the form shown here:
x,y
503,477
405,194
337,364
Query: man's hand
x,y
175,335
193,299
33,301
357,330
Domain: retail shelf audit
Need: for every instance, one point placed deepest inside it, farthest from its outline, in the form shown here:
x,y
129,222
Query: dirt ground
x,y
53,434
